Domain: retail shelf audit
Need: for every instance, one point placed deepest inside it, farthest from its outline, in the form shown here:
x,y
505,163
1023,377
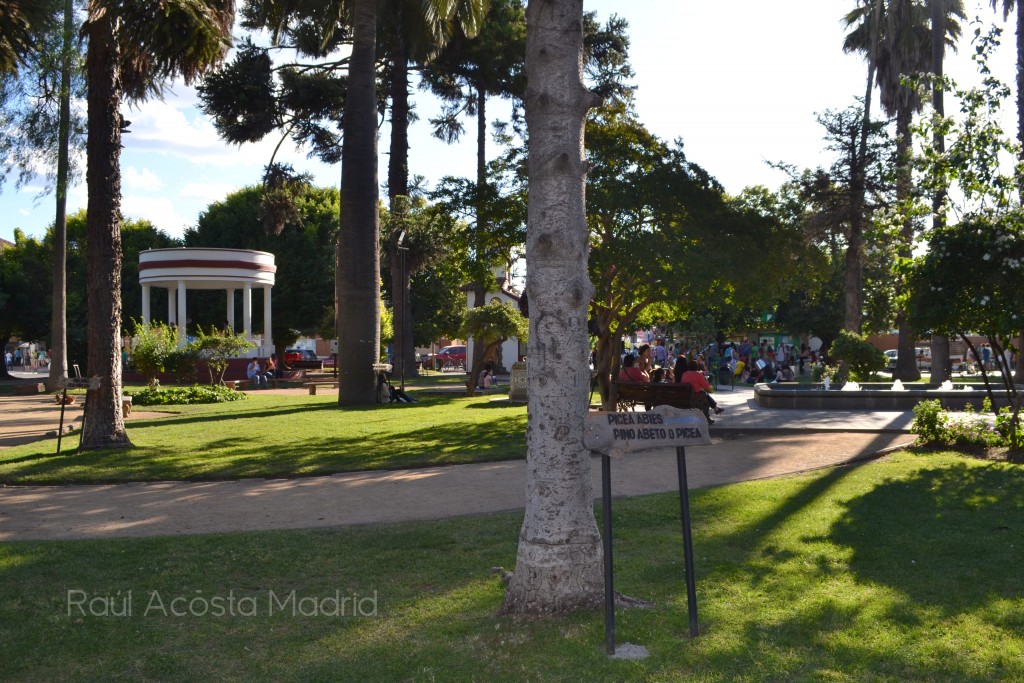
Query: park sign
x,y
80,382
612,434
628,432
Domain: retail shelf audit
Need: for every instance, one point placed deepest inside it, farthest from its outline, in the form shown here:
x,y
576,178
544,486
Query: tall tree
x,y
864,22
941,369
21,24
464,75
558,564
41,136
134,50
417,31
1009,6
24,279
900,37
59,323
357,288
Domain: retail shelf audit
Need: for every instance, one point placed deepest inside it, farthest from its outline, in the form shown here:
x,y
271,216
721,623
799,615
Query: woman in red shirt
x,y
631,373
698,382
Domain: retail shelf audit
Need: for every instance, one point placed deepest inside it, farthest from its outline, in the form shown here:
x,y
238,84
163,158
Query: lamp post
x,y
401,336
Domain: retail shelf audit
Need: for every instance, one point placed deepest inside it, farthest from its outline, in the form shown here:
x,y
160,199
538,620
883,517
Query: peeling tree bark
x,y
558,567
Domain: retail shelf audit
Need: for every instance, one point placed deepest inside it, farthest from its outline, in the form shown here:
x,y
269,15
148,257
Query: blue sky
x,y
739,82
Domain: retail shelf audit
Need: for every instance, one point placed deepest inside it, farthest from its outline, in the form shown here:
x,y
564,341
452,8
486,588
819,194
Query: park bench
x,y
630,394
243,384
328,384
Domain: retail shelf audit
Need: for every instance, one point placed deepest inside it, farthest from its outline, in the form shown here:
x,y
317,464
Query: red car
x,y
449,356
302,358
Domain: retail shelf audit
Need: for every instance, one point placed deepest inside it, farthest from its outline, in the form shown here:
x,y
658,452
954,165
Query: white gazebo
x,y
178,270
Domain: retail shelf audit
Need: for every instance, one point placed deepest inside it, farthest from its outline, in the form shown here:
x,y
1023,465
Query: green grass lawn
x,y
283,436
906,569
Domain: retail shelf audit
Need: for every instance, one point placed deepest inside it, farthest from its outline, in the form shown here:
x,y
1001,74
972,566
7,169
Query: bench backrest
x,y
678,395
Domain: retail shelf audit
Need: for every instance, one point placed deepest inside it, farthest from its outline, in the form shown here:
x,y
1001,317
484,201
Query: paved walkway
x,y
750,442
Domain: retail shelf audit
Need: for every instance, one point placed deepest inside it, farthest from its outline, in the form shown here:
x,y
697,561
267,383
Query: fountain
x,y
894,396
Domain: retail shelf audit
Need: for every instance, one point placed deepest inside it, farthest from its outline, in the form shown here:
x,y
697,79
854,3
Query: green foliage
x,y
216,347
495,322
152,344
863,359
30,103
25,276
303,252
929,421
215,393
935,427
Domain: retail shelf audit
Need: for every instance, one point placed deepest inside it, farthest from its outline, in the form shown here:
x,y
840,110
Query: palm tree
x,y
20,25
900,39
357,281
419,30
854,265
135,48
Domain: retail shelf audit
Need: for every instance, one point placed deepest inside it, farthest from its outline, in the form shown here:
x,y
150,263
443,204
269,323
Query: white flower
x,y
986,257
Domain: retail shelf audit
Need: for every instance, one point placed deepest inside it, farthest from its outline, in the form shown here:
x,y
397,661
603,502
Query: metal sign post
x,y
617,434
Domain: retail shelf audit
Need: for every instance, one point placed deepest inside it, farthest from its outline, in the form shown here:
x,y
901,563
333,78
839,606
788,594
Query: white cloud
x,y
160,211
144,180
210,192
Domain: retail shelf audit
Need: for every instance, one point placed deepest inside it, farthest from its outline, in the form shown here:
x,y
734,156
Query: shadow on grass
x,y
235,455
948,537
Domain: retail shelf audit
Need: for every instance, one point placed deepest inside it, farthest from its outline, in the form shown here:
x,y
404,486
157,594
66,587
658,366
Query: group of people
x,y
259,375
28,359
643,367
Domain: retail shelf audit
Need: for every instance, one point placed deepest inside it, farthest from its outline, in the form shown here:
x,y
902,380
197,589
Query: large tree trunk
x,y
358,251
104,424
906,363
58,324
558,565
941,369
398,185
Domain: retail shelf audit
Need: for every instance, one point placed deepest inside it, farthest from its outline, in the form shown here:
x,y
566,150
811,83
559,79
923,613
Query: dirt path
x,y
174,508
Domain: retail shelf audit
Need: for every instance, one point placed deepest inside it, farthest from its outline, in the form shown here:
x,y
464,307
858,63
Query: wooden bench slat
x,y
658,394
313,385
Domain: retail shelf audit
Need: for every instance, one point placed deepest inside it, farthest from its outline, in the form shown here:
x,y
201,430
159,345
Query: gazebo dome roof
x,y
203,268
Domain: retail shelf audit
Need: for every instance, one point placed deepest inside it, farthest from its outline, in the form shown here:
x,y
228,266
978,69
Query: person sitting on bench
x,y
698,382
255,374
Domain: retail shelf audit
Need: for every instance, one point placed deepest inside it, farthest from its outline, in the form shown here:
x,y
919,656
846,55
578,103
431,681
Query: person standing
x,y
660,353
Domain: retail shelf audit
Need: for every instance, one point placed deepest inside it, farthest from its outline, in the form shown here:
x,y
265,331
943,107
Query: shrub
x,y
216,393
863,359
152,345
934,427
929,422
216,347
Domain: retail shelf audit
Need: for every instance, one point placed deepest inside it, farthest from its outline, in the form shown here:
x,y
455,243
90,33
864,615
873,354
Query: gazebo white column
x,y
227,270
145,304
268,341
247,310
231,309
182,315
